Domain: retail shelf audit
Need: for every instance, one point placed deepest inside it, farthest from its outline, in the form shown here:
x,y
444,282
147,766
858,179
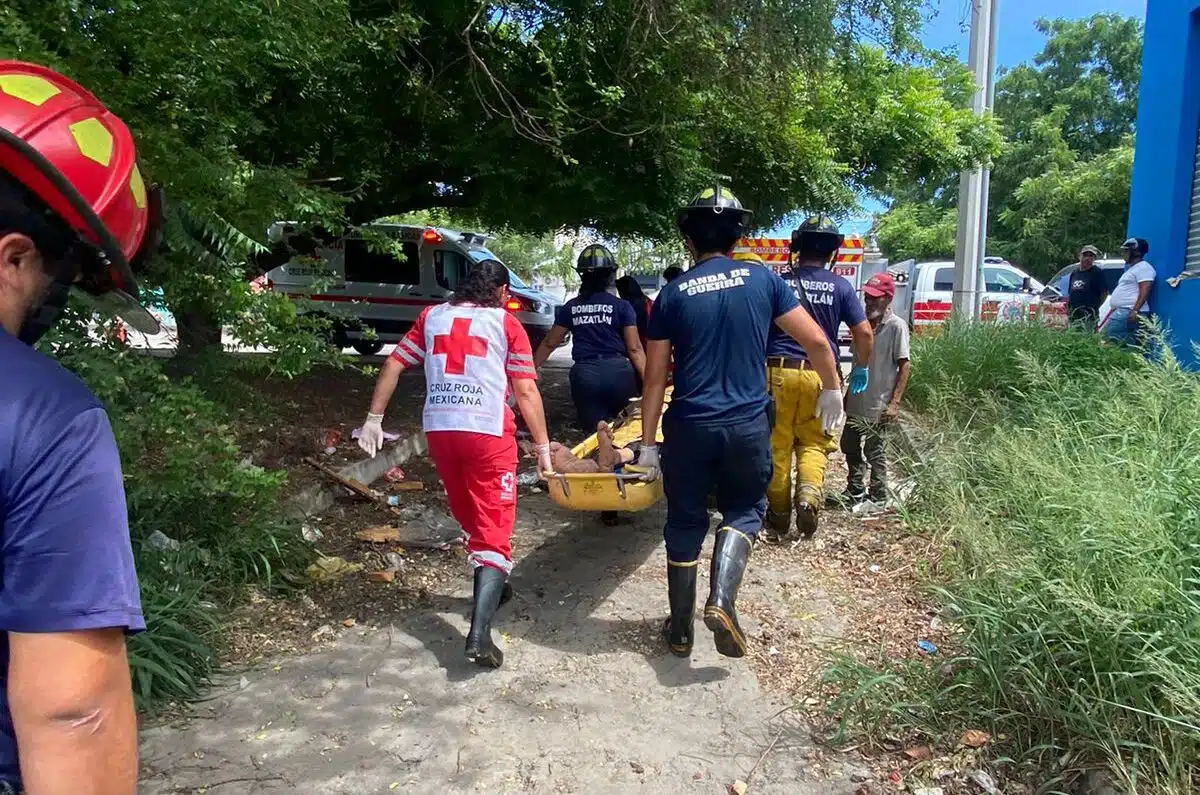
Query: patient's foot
x,y
606,454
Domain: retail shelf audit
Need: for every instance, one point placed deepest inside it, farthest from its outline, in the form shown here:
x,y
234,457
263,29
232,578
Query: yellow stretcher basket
x,y
608,491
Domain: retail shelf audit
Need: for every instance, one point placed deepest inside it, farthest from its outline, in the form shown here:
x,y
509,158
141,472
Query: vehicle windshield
x,y
1058,281
482,254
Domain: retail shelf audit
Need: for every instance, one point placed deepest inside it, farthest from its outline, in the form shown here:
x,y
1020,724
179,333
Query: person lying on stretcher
x,y
609,457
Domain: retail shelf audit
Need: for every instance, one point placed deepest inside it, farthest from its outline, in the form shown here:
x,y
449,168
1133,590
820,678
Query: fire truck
x,y
857,260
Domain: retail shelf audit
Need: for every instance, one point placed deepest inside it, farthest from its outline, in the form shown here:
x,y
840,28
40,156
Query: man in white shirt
x,y
1127,308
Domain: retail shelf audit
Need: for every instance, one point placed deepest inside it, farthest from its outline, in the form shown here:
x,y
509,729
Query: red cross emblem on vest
x,y
458,345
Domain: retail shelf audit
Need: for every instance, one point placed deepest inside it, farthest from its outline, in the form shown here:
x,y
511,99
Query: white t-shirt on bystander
x,y
1125,294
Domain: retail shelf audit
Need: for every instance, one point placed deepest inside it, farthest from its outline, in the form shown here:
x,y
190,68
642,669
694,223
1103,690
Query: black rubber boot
x,y
681,593
731,553
489,589
780,523
806,520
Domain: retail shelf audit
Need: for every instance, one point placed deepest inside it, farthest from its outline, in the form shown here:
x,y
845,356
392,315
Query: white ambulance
x,y
374,283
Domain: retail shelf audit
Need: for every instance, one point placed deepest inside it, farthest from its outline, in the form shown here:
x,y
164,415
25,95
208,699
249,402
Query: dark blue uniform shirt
x,y
597,324
717,317
65,558
832,302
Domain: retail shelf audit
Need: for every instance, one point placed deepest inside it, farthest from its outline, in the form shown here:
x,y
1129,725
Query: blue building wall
x,y
1167,121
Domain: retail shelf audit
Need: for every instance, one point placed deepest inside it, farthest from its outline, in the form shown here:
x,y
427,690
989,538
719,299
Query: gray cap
x,y
1089,249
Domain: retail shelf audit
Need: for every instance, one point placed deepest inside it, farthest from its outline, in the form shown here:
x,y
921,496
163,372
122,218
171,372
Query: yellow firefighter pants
x,y
797,433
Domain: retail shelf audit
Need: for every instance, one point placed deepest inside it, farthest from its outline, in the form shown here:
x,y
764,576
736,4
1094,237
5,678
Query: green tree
x,y
1074,103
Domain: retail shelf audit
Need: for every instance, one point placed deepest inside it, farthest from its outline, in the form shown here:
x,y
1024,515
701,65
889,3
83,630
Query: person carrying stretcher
x,y
474,352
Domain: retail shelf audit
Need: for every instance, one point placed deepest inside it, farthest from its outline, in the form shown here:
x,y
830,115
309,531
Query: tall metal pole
x,y
985,189
972,204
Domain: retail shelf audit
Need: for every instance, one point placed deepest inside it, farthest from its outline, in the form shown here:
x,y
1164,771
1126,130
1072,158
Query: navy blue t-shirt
x,y
597,323
832,302
717,317
65,559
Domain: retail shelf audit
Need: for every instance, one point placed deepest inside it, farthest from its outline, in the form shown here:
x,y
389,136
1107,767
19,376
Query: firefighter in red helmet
x,y
75,211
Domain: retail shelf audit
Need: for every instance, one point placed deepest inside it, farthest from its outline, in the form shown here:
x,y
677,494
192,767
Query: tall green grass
x,y
1065,484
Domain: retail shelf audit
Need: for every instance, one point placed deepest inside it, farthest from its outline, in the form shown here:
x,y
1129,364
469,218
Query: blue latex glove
x,y
858,380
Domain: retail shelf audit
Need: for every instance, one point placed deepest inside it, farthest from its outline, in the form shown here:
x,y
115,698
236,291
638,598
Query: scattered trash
x,y
974,738
386,575
311,534
927,791
246,463
985,782
330,450
772,651
331,568
243,683
926,647
393,500
387,435
349,622
162,542
394,475
332,439
408,485
739,787
936,624
395,562
919,753
528,479
875,568
637,768
894,777
379,535
323,632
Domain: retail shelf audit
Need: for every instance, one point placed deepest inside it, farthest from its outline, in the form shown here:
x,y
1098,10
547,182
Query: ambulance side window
x,y
401,265
943,280
450,268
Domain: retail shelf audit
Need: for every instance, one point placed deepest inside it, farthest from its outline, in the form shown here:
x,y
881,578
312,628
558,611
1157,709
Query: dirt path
x,y
588,700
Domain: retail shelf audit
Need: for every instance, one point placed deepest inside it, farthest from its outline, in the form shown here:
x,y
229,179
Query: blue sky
x,y
948,24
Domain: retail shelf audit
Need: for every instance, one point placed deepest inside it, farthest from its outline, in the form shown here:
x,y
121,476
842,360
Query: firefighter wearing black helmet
x,y
800,436
607,350
717,433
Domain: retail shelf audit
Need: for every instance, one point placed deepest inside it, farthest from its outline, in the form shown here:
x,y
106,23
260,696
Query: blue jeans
x,y
733,459
1118,329
601,388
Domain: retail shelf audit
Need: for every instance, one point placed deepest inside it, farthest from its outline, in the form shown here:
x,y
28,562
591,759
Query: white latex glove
x,y
545,462
647,461
370,436
830,411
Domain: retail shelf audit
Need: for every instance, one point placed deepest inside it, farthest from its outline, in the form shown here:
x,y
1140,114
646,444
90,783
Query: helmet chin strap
x,y
45,313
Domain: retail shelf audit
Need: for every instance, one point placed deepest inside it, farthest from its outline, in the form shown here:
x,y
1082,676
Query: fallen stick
x,y
357,487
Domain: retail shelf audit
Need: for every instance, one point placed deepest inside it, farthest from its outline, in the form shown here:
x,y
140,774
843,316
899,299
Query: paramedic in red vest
x,y
74,212
795,384
474,352
604,341
717,431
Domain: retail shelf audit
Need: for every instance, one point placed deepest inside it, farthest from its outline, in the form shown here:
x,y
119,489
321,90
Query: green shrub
x,y
1070,511
186,479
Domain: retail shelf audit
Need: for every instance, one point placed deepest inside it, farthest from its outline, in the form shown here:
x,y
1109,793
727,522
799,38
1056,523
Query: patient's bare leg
x,y
566,463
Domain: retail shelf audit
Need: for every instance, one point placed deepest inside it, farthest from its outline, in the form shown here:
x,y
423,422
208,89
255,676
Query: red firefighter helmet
x,y
61,143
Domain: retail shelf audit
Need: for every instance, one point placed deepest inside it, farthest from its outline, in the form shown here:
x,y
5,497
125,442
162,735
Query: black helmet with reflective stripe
x,y
1138,244
818,236
714,219
595,258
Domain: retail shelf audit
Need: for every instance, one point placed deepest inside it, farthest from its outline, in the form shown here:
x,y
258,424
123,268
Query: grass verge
x,y
1065,487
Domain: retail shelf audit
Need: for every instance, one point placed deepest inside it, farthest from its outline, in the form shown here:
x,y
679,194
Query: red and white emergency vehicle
x,y
925,293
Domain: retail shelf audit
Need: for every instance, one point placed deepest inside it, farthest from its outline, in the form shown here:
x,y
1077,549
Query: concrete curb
x,y
320,498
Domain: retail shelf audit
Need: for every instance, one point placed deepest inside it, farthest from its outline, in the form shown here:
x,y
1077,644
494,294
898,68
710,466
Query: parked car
x,y
925,291
1057,287
375,291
